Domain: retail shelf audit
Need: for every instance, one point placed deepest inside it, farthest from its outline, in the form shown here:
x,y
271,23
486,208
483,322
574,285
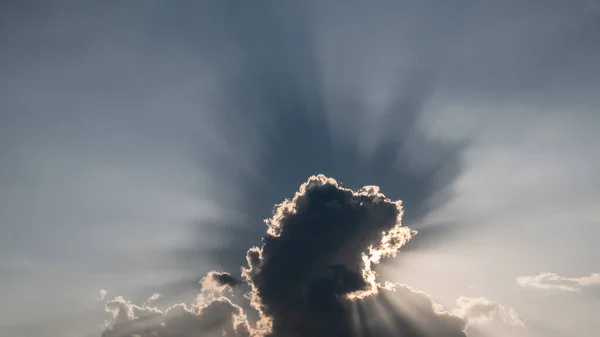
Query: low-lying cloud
x,y
552,281
219,317
314,276
211,314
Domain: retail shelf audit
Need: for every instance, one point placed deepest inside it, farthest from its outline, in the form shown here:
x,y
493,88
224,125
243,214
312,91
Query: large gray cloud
x,y
314,275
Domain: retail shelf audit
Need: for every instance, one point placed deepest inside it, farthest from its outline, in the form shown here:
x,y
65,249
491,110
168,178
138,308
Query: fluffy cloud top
x,y
211,315
314,276
480,310
553,281
217,318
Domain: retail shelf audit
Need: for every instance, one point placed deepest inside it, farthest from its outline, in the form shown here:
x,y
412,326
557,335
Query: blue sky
x,y
143,142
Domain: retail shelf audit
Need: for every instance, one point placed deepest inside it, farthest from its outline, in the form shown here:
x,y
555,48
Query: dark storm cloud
x,y
313,276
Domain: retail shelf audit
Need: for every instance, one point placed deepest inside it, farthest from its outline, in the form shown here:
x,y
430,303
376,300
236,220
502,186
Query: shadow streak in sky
x,y
277,90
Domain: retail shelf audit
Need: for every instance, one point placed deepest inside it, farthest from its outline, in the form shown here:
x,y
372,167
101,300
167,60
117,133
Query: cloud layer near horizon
x,y
552,281
314,276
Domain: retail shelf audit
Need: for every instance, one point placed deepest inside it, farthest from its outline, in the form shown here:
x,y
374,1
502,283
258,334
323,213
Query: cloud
x,y
480,311
211,315
219,282
152,298
102,294
550,281
314,275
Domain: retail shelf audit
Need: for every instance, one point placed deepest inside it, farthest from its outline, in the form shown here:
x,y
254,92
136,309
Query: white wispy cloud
x,y
153,298
102,294
550,281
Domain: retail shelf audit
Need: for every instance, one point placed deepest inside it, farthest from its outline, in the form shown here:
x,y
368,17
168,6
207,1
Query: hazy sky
x,y
143,142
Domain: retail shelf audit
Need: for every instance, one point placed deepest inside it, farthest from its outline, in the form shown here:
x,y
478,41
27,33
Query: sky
x,y
143,143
